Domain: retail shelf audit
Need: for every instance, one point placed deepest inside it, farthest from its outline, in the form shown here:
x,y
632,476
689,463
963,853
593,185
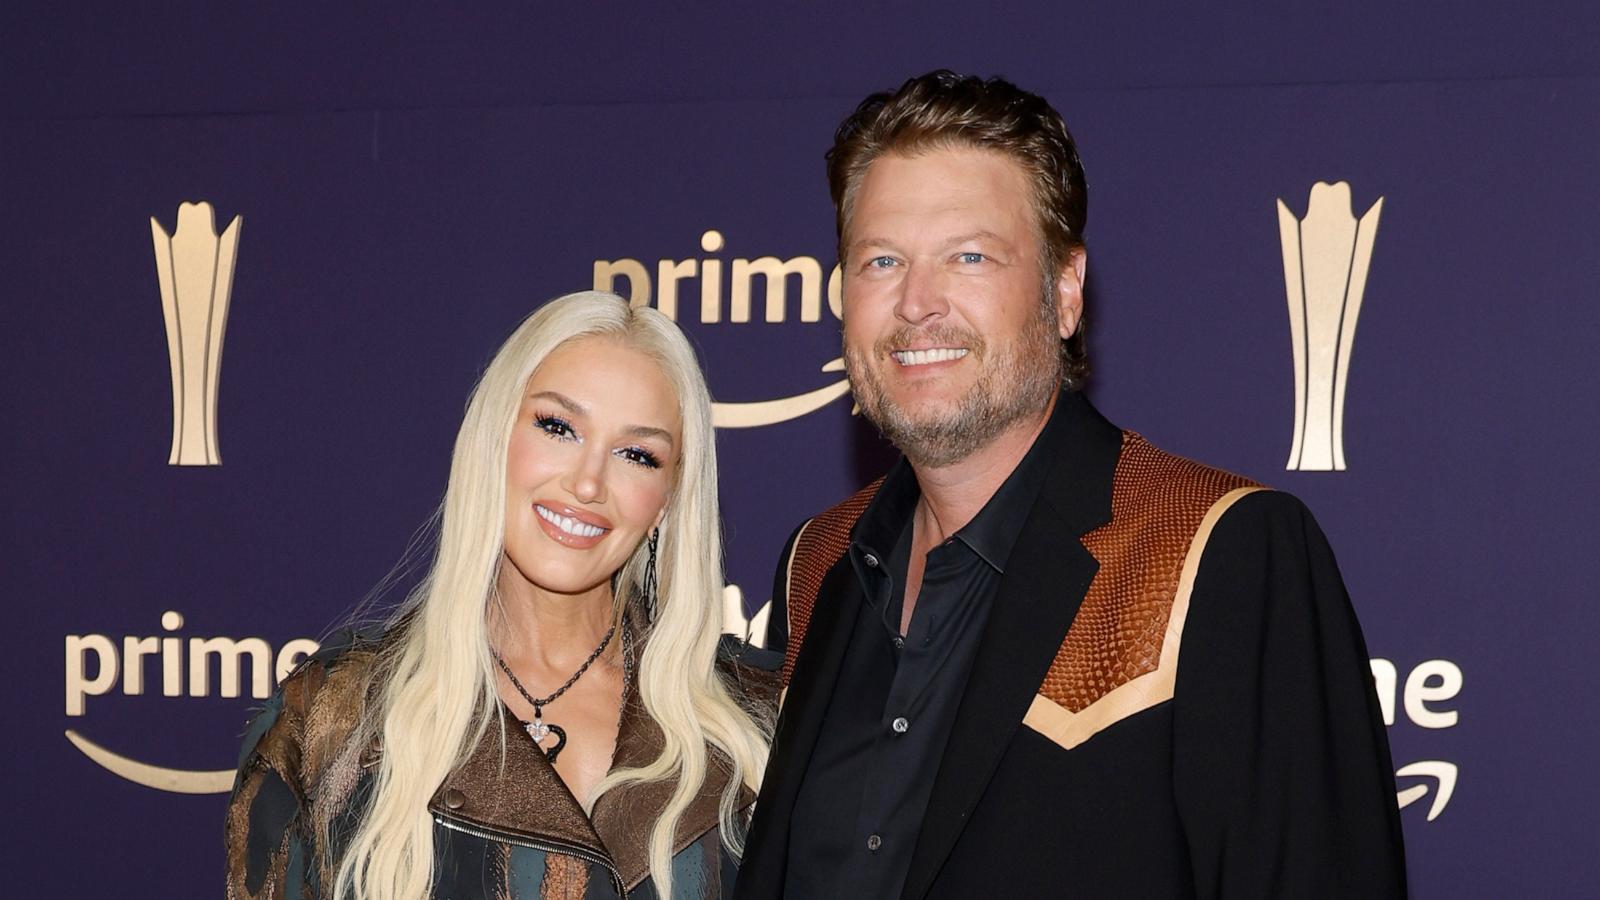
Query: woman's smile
x,y
571,527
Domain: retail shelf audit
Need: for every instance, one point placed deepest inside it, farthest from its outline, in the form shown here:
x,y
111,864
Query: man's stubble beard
x,y
1015,385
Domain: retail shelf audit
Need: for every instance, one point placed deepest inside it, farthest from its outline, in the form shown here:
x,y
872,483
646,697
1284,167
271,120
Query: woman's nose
x,y
587,480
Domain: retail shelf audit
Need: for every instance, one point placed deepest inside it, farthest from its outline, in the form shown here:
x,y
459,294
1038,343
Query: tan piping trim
x,y
788,572
788,579
788,595
1070,729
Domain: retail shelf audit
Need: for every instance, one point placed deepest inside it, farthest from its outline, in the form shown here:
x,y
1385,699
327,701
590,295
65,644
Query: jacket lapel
x,y
526,798
625,815
800,723
1045,580
517,795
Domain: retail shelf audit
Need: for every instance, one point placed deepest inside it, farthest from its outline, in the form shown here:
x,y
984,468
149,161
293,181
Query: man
x,y
985,690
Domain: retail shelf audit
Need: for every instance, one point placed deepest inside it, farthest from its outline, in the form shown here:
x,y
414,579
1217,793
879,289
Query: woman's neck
x,y
545,628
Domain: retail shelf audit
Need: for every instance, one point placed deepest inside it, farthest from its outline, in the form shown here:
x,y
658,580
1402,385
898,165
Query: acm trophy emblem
x,y
195,267
1325,263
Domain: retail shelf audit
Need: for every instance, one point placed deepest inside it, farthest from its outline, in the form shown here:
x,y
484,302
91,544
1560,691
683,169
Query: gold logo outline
x,y
1326,259
194,268
1444,775
177,781
760,413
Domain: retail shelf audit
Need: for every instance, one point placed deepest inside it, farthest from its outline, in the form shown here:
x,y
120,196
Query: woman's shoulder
x,y
316,708
298,756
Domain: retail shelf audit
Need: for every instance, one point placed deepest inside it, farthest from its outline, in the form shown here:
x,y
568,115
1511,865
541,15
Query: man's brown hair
x,y
942,109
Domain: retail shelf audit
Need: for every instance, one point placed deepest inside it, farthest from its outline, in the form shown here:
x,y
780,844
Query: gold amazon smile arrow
x,y
178,781
769,412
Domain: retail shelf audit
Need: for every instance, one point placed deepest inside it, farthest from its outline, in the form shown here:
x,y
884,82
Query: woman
x,y
548,714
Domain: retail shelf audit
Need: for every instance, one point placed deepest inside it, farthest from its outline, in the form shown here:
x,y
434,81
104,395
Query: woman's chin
x,y
548,576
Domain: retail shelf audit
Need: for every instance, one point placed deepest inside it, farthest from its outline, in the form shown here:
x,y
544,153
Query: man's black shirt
x,y
866,789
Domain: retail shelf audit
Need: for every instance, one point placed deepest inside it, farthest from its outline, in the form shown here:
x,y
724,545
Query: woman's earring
x,y
650,578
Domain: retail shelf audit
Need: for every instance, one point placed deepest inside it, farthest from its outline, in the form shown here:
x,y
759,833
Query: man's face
x,y
948,343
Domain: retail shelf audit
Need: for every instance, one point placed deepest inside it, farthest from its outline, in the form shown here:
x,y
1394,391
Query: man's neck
x,y
952,495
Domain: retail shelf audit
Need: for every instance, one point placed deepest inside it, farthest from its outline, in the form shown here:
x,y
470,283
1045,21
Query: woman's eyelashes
x,y
562,430
555,426
639,456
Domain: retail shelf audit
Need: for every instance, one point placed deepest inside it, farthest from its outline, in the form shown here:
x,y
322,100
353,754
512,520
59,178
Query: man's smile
x,y
908,358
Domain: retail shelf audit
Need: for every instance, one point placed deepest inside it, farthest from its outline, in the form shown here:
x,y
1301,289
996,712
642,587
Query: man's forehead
x,y
955,192
956,168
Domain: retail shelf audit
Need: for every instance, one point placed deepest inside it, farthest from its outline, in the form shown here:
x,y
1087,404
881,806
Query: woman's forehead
x,y
607,379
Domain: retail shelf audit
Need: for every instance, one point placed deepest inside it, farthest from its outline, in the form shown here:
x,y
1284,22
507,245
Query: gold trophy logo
x,y
195,268
1325,260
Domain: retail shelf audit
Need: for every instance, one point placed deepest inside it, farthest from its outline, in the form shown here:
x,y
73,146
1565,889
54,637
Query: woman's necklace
x,y
539,729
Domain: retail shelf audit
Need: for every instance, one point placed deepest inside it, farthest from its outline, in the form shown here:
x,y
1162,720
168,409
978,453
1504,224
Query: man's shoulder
x,y
816,546
1150,485
1155,487
833,524
1151,480
823,538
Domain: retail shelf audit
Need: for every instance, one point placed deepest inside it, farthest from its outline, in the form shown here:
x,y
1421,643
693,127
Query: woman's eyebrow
x,y
571,405
578,409
647,431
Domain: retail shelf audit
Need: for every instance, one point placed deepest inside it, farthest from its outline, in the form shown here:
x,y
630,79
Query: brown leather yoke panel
x,y
1157,503
821,543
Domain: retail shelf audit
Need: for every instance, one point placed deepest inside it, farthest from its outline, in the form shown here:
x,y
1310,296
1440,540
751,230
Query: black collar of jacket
x,y
519,797
1046,576
1083,503
1082,450
1043,586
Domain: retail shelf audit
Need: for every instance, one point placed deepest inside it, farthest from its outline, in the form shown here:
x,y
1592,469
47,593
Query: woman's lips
x,y
570,527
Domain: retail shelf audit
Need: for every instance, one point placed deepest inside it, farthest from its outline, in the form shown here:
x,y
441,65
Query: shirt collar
x,y
993,532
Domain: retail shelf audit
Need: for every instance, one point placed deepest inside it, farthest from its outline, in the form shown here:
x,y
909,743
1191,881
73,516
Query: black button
x,y
870,560
899,642
874,842
900,725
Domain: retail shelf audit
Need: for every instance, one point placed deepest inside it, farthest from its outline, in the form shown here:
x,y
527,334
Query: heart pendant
x,y
539,730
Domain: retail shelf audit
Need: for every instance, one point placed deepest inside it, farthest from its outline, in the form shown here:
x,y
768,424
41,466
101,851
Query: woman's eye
x,y
555,426
971,258
640,457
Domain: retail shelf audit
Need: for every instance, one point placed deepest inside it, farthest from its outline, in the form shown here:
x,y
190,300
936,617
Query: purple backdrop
x,y
413,181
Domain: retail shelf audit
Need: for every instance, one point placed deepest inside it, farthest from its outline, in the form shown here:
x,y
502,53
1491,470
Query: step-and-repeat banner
x,y
239,339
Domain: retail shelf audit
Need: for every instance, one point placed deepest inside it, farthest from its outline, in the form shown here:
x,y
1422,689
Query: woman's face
x,y
590,464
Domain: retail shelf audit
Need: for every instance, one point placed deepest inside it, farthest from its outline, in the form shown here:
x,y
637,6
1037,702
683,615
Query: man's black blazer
x,y
1253,763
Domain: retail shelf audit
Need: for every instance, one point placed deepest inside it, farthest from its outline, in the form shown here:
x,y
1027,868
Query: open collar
x,y
520,796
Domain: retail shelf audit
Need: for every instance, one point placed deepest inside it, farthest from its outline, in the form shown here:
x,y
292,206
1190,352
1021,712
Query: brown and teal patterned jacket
x,y
511,831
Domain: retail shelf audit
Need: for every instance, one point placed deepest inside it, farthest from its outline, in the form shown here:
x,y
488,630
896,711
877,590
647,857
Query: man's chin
x,y
928,403
923,418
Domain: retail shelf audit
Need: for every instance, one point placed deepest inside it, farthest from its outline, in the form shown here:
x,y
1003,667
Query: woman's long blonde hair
x,y
434,692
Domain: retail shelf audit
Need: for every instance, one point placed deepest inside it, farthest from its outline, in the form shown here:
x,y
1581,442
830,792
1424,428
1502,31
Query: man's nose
x,y
921,295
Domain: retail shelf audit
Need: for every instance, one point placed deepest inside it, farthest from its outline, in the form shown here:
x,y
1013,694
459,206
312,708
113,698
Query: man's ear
x,y
1069,291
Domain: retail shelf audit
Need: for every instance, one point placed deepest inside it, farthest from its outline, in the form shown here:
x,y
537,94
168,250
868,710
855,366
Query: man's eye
x,y
640,457
881,262
971,258
555,426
